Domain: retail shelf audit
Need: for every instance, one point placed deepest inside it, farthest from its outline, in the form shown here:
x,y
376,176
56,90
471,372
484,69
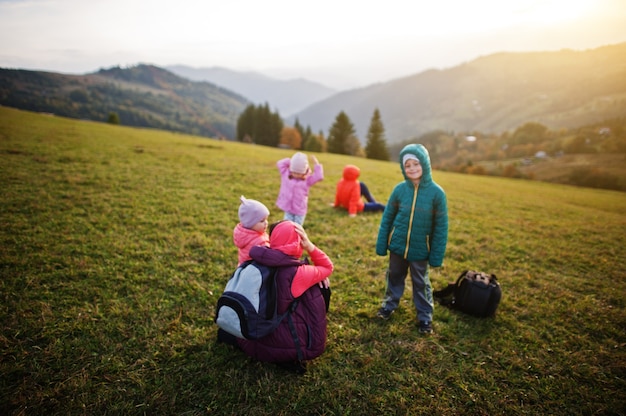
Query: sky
x,y
342,44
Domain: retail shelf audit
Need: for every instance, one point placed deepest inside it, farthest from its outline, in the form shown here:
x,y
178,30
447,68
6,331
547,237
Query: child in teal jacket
x,y
414,229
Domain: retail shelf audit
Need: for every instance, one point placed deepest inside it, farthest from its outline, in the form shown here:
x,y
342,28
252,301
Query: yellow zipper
x,y
408,232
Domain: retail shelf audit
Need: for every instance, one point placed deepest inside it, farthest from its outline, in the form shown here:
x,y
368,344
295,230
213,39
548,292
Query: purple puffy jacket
x,y
309,318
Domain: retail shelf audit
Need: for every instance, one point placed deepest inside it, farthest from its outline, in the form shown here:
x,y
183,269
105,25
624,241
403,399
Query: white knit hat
x,y
409,156
251,212
299,163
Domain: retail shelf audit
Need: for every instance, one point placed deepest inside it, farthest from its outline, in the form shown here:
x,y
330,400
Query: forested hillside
x,y
491,94
141,96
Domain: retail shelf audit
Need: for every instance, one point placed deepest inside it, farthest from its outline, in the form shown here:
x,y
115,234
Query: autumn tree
x,y
290,137
376,147
530,133
353,146
339,134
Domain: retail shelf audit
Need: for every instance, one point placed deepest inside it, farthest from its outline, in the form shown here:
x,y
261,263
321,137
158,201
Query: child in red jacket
x,y
350,193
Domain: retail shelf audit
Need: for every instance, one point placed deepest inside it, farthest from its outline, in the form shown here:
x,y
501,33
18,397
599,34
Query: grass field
x,y
115,244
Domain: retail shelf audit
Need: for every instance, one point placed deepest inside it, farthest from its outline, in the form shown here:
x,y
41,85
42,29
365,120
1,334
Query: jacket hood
x,y
351,172
285,239
273,258
243,236
422,155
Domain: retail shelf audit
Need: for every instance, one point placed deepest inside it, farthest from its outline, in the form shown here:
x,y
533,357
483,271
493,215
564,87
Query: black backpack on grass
x,y
474,293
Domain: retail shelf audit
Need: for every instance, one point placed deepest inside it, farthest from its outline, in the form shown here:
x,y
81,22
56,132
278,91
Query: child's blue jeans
x,y
422,290
299,219
371,205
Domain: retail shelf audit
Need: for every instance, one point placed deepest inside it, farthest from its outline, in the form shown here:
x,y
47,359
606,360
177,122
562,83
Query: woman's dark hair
x,y
273,225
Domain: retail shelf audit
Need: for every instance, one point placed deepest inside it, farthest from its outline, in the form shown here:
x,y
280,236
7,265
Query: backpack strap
x,y
461,277
445,295
292,329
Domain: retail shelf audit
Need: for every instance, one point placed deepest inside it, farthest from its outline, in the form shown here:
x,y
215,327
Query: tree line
x,y
258,124
508,154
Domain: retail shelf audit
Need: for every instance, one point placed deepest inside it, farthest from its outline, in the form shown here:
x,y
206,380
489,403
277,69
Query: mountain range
x,y
285,96
490,94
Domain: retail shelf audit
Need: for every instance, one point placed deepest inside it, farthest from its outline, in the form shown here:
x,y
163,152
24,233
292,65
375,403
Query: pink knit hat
x,y
299,163
251,212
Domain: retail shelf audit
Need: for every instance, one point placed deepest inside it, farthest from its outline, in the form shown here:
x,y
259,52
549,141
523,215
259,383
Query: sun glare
x,y
553,11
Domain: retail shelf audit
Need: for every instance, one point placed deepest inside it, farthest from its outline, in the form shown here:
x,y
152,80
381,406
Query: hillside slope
x,y
142,96
491,94
116,244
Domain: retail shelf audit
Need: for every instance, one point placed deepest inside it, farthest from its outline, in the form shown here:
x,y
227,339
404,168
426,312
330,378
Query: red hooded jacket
x,y
348,193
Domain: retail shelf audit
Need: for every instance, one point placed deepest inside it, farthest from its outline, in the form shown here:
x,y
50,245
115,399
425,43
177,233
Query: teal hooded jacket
x,y
414,224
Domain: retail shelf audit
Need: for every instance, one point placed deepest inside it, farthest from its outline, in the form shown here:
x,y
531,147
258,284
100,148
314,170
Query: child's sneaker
x,y
384,313
425,327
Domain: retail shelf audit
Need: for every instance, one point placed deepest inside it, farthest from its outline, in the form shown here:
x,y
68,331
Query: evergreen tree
x,y
376,147
263,127
300,129
315,143
245,123
114,118
260,125
339,133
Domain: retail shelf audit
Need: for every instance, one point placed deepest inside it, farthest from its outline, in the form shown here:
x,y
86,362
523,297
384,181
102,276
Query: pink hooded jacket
x,y
245,238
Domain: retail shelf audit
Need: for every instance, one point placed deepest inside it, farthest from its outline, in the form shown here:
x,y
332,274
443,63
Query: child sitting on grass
x,y
350,193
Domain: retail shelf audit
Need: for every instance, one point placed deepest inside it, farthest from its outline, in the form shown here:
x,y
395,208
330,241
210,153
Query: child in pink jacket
x,y
296,179
252,228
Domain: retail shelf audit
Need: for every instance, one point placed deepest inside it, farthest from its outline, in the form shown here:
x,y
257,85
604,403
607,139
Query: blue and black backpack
x,y
248,307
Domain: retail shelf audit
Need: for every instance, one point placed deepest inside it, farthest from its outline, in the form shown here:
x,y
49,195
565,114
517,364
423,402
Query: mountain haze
x,y
491,94
286,96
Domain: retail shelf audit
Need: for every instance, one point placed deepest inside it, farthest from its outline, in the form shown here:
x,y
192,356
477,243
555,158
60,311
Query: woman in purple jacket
x,y
301,336
296,179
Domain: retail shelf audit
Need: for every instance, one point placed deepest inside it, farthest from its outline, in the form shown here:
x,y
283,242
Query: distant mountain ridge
x,y
494,93
142,96
286,96
490,94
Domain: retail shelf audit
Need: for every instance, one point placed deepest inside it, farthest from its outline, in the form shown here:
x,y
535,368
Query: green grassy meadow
x,y
115,244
